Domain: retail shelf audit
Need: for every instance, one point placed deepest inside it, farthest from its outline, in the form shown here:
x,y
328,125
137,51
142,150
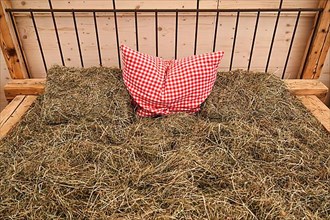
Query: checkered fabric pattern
x,y
162,87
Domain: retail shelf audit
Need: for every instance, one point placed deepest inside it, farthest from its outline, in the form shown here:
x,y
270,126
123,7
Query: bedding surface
x,y
253,151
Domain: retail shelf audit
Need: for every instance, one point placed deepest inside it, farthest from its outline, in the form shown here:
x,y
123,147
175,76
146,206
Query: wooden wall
x,y
166,25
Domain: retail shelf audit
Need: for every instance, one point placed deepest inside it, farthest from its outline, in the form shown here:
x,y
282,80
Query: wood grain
x,y
24,87
37,87
10,109
320,46
166,33
318,109
151,4
9,46
16,115
306,87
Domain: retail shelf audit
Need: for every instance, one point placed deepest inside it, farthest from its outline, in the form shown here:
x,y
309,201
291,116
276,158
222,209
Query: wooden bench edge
x,y
14,112
37,86
305,87
24,87
320,111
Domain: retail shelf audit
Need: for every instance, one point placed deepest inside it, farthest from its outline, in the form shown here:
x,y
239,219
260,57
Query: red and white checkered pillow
x,y
162,87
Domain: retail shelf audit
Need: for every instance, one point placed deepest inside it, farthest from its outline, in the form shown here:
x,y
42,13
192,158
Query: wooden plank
x,y
320,46
9,46
37,87
306,87
151,4
24,87
266,4
10,109
120,4
318,109
17,115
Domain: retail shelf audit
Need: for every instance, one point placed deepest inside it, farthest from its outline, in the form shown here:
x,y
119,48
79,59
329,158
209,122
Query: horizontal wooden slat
x,y
16,110
318,109
24,87
165,4
306,87
37,87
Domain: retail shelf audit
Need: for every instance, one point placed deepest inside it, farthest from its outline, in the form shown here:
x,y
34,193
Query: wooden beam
x,y
14,112
318,109
37,87
306,87
24,87
8,44
319,46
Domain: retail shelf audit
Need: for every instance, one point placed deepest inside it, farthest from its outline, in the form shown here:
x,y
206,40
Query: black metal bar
x,y
39,42
176,34
254,39
273,38
56,33
97,39
310,44
196,28
136,31
234,42
215,31
19,44
156,31
168,10
291,43
117,34
77,36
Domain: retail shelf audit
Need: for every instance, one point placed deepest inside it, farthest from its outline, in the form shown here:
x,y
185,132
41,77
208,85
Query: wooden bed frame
x,y
22,91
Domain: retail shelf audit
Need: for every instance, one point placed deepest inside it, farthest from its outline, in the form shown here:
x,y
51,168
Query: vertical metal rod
x,y
291,43
273,38
39,42
136,31
196,28
77,36
56,33
310,43
176,34
19,44
254,39
234,42
97,38
156,30
117,35
215,31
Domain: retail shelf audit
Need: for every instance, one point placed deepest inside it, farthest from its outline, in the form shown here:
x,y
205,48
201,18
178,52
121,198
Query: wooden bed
x,y
22,94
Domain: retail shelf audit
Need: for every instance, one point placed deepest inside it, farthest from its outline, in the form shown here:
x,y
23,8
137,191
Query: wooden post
x,y
320,45
9,46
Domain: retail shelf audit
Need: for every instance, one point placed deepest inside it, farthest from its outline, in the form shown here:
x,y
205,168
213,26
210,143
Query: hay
x,y
88,96
253,152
